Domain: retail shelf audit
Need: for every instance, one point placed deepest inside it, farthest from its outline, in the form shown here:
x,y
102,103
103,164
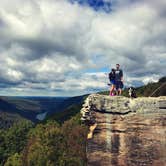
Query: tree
x,y
13,140
14,160
44,147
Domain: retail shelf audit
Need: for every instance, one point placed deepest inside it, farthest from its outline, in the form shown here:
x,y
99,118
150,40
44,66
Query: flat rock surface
x,y
133,139
123,105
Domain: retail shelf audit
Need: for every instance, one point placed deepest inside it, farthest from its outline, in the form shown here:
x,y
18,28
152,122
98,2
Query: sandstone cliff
x,y
125,131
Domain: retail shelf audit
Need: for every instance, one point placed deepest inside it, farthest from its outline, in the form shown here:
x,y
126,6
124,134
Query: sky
x,y
68,47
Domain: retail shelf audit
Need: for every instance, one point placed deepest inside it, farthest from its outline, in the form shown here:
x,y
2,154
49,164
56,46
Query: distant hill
x,y
8,119
13,109
153,89
70,107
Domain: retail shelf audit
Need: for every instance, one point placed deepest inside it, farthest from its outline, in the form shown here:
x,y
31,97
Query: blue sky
x,y
66,47
95,4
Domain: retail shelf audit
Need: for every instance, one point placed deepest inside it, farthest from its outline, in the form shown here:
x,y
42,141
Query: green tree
x,y
51,144
13,140
44,147
14,160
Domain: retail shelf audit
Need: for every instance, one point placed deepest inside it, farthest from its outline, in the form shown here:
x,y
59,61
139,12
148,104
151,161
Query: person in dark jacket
x,y
112,81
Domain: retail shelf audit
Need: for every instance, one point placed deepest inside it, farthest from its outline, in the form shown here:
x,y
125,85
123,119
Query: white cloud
x,y
52,44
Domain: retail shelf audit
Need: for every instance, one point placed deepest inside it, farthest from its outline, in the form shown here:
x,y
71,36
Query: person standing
x,y
112,81
118,79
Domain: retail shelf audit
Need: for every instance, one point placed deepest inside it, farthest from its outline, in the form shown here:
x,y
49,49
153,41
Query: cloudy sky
x,y
66,47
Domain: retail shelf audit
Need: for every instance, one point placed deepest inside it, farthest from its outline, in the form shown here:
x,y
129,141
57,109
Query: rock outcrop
x,y
120,105
124,131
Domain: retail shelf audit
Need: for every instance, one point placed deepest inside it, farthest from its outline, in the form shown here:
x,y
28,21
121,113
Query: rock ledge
x,y
120,105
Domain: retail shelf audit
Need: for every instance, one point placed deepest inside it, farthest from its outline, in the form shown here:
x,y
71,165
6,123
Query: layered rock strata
x,y
125,132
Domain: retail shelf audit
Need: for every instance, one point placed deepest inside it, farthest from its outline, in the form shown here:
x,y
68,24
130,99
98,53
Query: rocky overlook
x,y
124,131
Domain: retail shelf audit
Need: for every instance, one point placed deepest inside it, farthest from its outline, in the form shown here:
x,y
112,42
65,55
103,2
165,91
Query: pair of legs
x,y
118,85
112,90
119,91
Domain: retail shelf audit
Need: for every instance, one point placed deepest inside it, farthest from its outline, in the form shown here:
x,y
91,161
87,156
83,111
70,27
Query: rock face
x,y
127,132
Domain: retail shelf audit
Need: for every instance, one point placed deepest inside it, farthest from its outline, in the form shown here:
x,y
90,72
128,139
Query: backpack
x,y
111,76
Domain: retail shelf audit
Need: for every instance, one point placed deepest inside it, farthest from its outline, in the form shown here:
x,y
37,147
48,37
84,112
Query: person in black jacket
x,y
112,81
